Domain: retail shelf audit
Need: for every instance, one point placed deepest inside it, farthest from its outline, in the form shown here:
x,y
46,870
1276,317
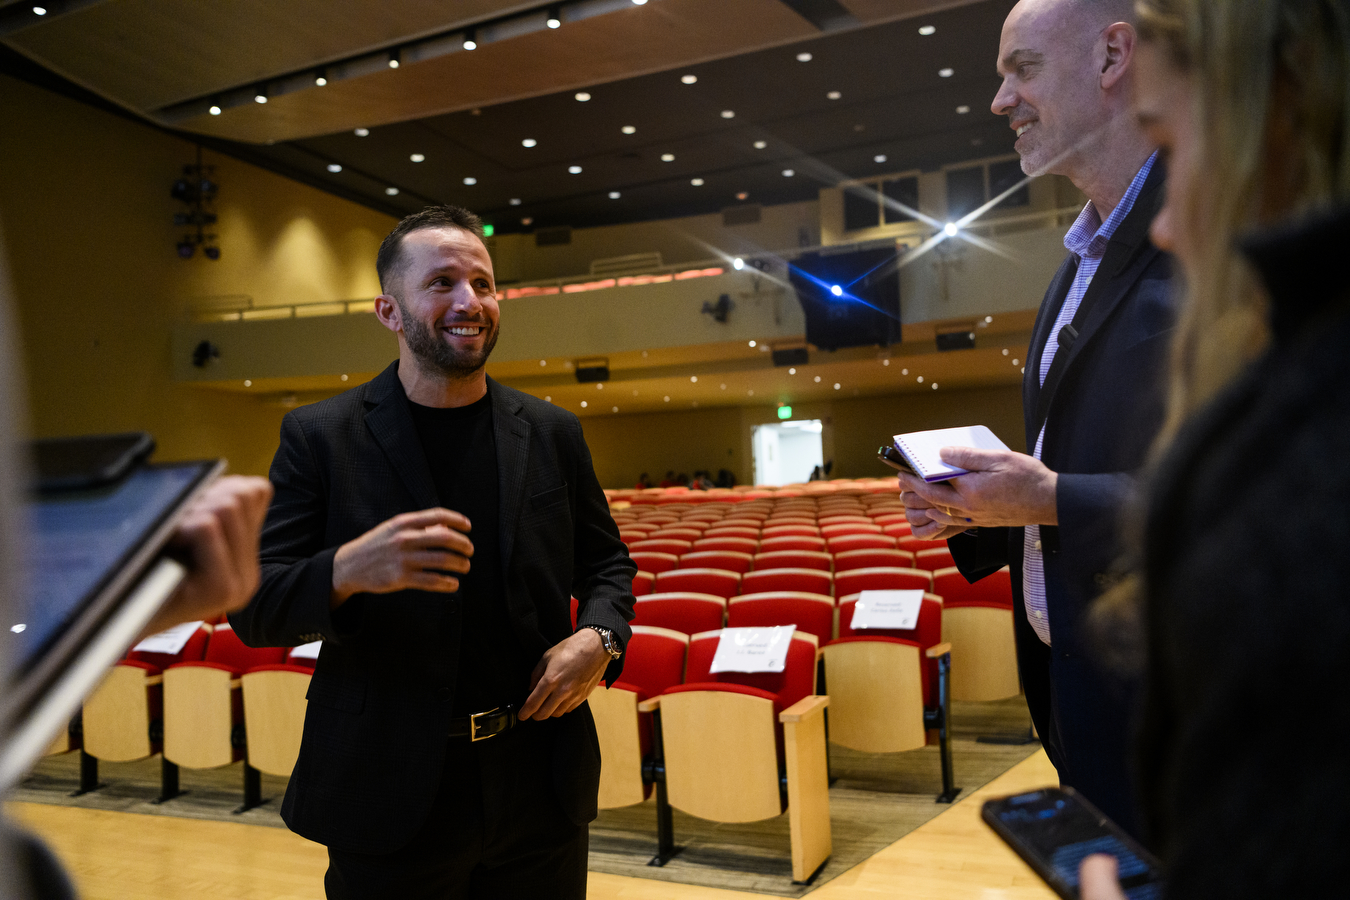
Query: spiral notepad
x,y
921,449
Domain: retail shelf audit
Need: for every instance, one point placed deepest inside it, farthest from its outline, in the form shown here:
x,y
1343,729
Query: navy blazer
x,y
1100,424
380,699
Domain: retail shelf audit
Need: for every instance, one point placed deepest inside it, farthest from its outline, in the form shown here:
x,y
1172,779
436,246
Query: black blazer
x,y
379,703
1100,424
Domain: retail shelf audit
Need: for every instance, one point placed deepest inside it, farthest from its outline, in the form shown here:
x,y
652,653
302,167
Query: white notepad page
x,y
921,448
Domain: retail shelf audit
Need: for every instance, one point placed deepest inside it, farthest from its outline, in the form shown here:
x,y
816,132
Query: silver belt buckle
x,y
473,725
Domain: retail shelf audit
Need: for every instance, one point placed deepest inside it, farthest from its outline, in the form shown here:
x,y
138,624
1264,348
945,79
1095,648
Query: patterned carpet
x,y
875,800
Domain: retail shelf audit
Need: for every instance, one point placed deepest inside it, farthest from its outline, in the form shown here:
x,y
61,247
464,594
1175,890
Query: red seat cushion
x,y
227,651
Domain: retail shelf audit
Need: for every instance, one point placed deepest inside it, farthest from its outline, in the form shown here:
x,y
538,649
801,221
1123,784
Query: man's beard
x,y
435,355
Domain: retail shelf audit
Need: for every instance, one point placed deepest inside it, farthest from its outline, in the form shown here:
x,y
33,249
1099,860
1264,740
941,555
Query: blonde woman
x,y
1243,760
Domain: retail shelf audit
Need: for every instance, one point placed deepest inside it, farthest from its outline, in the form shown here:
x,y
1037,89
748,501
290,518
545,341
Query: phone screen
x,y
79,540
1056,830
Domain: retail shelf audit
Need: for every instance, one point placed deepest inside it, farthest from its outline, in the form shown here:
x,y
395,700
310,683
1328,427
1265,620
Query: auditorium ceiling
x,y
623,112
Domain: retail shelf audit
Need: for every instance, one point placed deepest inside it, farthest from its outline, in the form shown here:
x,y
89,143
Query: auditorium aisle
x,y
124,856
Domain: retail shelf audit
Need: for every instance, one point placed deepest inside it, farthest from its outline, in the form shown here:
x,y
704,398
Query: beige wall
x,y
84,197
626,446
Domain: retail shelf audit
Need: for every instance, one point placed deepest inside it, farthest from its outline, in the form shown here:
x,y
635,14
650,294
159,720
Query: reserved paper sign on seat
x,y
887,609
307,651
753,649
172,641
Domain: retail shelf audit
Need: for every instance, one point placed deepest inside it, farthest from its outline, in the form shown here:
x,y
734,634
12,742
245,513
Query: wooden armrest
x,y
820,653
805,708
937,650
651,705
154,679
235,682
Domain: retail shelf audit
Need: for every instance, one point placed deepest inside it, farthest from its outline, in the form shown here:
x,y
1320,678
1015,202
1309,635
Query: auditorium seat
x,y
204,707
729,742
643,582
640,525
845,528
933,559
887,687
896,529
734,531
274,712
661,545
793,530
812,581
845,542
687,612
977,620
739,544
628,536
651,561
731,560
897,517
872,558
679,534
794,559
654,660
792,542
812,613
720,582
882,578
914,545
123,719
850,518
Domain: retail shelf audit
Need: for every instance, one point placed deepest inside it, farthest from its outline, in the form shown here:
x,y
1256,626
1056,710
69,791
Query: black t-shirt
x,y
461,452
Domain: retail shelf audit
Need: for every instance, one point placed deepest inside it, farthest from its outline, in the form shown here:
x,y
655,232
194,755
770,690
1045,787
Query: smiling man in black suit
x,y
430,526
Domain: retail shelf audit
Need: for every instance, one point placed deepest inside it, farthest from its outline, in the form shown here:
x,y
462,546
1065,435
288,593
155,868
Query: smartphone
x,y
891,457
1055,829
81,463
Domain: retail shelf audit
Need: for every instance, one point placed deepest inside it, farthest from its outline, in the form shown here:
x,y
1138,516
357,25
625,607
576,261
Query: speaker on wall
x,y
851,299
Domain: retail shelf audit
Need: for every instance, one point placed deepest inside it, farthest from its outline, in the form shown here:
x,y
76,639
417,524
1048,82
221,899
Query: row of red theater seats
x,y
727,583
931,559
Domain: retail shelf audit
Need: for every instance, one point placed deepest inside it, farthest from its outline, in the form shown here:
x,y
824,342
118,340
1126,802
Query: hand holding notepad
x,y
922,449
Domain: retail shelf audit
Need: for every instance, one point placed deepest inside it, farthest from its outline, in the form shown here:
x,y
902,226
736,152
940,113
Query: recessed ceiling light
x,y
950,229
836,385
739,264
885,362
575,170
792,371
615,409
693,379
750,393
417,157
803,57
214,110
514,201
752,343
583,404
259,98
553,22
724,386
833,95
935,385
879,158
334,168
391,191
696,182
470,180
742,195
689,79
919,379
788,173
639,2
344,377
362,132
760,145
817,379
946,73
528,220
470,43
926,30
582,96
393,63
548,399
320,81
667,157
529,142
904,371
728,114
628,129
248,383
962,110
614,195
667,398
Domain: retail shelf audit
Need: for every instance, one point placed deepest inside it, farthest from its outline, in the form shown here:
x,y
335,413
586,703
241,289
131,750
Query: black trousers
x,y
495,830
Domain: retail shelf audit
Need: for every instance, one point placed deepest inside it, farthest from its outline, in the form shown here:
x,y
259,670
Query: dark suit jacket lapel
x,y
1127,254
1040,336
513,450
391,425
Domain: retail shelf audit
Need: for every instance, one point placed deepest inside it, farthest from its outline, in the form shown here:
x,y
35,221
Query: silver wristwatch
x,y
608,641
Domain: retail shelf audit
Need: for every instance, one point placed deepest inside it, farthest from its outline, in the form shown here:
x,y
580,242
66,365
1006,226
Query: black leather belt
x,y
483,725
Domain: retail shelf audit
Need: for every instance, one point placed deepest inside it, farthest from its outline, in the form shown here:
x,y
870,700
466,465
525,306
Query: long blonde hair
x,y
1262,71
1270,84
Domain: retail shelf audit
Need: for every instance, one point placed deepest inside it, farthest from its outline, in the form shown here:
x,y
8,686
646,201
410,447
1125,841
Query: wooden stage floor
x,y
125,856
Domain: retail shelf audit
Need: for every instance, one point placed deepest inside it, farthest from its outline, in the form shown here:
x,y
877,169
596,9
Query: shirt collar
x,y
1089,235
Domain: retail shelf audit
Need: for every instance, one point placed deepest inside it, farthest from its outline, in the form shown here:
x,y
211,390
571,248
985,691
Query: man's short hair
x,y
389,261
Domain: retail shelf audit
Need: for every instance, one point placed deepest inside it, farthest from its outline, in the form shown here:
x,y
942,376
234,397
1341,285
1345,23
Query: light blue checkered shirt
x,y
1086,239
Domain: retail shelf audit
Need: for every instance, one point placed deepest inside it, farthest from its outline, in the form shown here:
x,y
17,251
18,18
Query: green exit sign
x,y
784,412
488,230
